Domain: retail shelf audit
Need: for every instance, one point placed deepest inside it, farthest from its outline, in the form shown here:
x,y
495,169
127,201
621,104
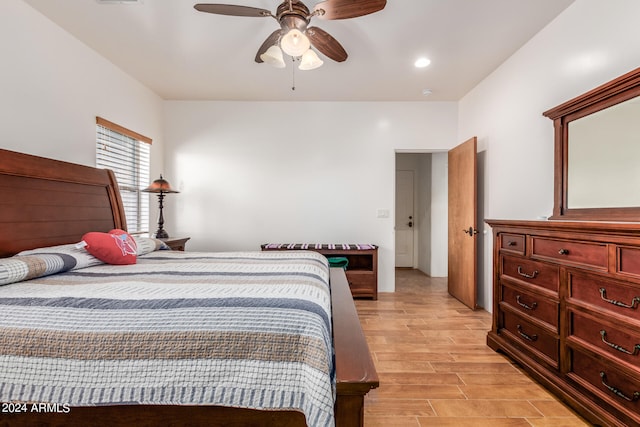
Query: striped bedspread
x,y
249,330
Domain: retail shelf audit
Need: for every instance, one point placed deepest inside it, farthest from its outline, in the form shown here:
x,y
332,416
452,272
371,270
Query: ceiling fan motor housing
x,y
293,15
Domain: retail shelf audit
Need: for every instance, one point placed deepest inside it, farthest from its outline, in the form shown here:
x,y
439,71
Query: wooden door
x,y
462,278
404,218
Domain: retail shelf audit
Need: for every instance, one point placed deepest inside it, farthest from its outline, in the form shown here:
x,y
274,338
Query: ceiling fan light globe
x,y
295,43
310,61
273,57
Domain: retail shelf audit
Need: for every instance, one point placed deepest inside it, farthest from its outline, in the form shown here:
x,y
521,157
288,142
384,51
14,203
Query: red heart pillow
x,y
114,247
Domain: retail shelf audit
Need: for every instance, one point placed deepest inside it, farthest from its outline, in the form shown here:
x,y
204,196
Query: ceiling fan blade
x,y
270,41
232,10
326,44
343,9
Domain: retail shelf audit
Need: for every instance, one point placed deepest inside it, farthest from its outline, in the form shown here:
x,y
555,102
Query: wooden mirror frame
x,y
614,92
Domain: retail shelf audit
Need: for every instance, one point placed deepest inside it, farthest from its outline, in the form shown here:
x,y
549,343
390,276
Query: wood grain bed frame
x,y
45,202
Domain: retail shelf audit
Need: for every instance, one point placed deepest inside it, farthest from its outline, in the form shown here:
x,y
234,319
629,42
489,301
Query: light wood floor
x,y
436,370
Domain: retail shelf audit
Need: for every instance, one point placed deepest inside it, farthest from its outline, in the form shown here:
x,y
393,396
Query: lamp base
x,y
161,234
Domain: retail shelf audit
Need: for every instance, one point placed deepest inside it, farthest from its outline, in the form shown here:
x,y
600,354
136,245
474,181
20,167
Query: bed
x,y
49,203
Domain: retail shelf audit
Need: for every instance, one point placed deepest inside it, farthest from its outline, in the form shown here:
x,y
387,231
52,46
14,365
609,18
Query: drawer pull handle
x,y
531,338
635,351
636,394
634,302
511,243
528,276
528,307
563,251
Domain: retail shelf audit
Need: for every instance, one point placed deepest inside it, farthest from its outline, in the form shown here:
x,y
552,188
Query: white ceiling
x,y
183,54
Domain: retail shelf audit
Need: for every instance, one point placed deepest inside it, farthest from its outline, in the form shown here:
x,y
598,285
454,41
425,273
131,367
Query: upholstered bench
x,y
361,262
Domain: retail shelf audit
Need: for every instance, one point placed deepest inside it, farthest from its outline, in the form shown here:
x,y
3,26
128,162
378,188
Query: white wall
x,y
52,87
258,172
590,43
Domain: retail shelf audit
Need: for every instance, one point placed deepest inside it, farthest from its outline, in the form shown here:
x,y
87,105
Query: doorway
x,y
428,200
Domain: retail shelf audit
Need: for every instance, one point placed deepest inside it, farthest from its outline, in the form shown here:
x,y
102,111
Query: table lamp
x,y
161,187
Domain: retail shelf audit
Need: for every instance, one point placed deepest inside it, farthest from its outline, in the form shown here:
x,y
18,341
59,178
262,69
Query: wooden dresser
x,y
566,306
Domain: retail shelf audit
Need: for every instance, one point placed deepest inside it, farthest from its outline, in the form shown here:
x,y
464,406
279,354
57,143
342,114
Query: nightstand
x,y
176,243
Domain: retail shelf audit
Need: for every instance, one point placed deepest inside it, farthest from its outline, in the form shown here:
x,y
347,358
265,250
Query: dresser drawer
x,y
568,251
533,272
618,297
606,381
614,341
512,243
532,337
531,304
628,261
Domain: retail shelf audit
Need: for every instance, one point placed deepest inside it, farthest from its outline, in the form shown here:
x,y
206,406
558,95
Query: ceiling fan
x,y
295,36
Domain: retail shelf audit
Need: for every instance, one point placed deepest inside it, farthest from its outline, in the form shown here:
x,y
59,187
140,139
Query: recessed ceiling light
x,y
422,62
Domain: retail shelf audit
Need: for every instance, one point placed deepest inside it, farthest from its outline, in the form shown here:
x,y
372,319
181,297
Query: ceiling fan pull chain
x,y
293,73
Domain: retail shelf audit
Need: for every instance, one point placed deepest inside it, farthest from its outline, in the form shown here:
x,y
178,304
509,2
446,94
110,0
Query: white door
x,y
404,218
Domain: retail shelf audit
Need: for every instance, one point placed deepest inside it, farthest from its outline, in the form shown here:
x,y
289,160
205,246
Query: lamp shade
x,y
160,186
273,56
310,61
294,43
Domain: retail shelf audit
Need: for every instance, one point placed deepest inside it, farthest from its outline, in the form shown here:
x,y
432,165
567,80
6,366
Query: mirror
x,y
597,153
603,152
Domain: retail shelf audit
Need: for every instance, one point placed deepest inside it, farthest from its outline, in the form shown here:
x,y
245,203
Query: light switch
x,y
382,213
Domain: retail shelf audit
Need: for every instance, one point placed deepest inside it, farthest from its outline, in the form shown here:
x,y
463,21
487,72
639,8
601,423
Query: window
x,y
127,154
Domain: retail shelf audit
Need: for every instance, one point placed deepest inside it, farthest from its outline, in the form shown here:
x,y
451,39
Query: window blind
x,y
128,155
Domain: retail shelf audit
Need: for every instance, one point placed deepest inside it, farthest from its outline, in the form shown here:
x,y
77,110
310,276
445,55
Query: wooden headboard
x,y
45,202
